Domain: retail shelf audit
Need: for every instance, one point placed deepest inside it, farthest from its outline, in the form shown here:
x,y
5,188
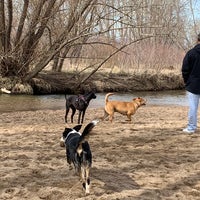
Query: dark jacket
x,y
191,70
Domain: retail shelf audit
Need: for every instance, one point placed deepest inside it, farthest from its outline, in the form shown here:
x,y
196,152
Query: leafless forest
x,y
92,35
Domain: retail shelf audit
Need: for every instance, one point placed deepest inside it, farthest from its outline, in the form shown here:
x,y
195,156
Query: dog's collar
x,y
71,132
138,104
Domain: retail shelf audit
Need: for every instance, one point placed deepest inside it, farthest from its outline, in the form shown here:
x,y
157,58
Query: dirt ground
x,y
148,159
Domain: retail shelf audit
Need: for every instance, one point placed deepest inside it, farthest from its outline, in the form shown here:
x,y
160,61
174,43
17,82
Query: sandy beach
x,y
147,159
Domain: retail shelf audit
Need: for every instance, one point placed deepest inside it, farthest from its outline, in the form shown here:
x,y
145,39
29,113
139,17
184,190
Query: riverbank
x,y
150,158
48,82
61,83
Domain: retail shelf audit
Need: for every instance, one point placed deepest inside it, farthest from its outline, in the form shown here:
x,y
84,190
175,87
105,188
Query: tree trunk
x,y
21,22
55,62
9,26
2,27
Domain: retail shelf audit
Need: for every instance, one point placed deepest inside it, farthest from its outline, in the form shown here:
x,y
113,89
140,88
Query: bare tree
x,y
35,33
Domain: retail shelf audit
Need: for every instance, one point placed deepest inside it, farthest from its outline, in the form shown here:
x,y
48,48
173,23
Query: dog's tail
x,y
106,97
86,131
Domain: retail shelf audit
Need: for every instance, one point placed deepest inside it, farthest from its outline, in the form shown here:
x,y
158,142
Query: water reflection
x,y
10,103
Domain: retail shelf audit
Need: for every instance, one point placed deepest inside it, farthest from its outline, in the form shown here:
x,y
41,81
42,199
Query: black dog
x,y
79,102
78,151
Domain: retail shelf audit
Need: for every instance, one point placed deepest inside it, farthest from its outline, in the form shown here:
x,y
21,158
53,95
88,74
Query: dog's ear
x,y
66,131
137,99
78,127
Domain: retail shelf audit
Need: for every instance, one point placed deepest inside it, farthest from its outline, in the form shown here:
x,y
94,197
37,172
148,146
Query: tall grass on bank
x,y
141,56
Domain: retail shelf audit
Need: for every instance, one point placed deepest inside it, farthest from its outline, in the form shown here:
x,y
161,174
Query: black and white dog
x,y
80,103
78,151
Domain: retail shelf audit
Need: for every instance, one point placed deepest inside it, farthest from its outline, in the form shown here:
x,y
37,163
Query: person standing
x,y
191,78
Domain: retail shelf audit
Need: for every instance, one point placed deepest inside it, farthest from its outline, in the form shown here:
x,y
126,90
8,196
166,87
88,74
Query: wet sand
x,y
148,159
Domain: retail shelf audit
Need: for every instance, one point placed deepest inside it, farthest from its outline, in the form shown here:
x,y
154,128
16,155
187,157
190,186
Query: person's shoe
x,y
188,131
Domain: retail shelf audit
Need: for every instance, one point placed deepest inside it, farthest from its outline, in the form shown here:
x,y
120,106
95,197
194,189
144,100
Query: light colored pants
x,y
193,110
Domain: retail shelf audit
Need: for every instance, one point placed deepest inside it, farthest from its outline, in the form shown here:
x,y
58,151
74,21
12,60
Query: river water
x,y
11,103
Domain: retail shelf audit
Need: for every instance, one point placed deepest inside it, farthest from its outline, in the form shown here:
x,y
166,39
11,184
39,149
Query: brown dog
x,y
124,108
